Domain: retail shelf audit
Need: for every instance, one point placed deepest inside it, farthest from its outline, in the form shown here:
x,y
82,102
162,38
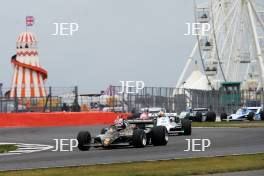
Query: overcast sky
x,y
117,40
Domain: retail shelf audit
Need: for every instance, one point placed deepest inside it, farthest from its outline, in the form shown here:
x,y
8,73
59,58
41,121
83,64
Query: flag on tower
x,y
30,20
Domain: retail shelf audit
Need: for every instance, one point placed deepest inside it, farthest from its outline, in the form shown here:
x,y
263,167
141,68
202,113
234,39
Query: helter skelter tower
x,y
28,77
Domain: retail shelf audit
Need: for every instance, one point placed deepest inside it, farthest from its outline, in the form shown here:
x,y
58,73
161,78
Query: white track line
x,y
216,127
25,148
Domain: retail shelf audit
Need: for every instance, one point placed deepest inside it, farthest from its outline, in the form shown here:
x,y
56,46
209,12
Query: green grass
x,y
178,167
7,148
242,124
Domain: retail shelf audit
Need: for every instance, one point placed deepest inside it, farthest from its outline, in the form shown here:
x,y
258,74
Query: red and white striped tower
x,y
29,77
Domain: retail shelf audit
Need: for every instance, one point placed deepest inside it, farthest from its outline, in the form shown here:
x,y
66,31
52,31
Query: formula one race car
x,y
247,113
175,125
154,111
196,114
137,133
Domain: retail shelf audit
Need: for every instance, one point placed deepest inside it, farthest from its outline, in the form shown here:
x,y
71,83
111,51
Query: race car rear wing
x,y
140,121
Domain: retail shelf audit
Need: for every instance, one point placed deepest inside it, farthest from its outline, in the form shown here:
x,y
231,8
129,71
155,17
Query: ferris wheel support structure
x,y
259,53
256,14
195,48
188,63
216,48
232,36
235,52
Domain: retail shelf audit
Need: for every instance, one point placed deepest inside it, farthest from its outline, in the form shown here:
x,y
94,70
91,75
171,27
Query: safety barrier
x,y
57,119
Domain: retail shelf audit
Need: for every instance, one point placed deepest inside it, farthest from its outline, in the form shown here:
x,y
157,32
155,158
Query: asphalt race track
x,y
224,141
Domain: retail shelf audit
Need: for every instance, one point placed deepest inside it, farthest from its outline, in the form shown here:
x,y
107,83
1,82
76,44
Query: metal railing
x,y
57,99
172,99
177,100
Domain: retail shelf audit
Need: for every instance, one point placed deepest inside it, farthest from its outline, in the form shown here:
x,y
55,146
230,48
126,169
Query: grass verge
x,y
178,167
242,124
7,148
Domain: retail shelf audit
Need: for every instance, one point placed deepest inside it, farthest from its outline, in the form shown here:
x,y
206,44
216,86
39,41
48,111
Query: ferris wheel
x,y
233,49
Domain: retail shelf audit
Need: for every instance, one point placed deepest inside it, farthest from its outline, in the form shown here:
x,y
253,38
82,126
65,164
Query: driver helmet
x,y
119,122
161,114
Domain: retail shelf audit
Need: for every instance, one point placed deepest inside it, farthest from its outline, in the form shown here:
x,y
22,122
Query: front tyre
x,y
198,117
139,138
186,126
84,140
251,116
159,135
210,116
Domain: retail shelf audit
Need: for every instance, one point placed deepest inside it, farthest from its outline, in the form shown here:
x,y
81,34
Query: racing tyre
x,y
187,116
210,116
148,140
223,116
139,138
251,116
186,126
198,117
261,115
84,138
155,122
159,135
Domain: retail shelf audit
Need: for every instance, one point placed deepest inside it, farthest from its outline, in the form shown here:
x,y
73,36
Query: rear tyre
x,y
84,140
148,140
187,116
139,138
198,117
223,116
211,116
261,115
159,135
251,116
186,126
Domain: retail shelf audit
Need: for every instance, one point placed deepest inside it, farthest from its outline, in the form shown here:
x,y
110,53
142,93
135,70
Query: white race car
x,y
154,111
175,125
247,113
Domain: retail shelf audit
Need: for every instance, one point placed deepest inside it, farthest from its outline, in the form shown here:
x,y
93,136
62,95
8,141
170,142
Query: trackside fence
x,y
114,99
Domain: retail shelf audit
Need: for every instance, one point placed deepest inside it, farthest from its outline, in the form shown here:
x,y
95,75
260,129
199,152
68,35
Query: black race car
x,y
137,133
